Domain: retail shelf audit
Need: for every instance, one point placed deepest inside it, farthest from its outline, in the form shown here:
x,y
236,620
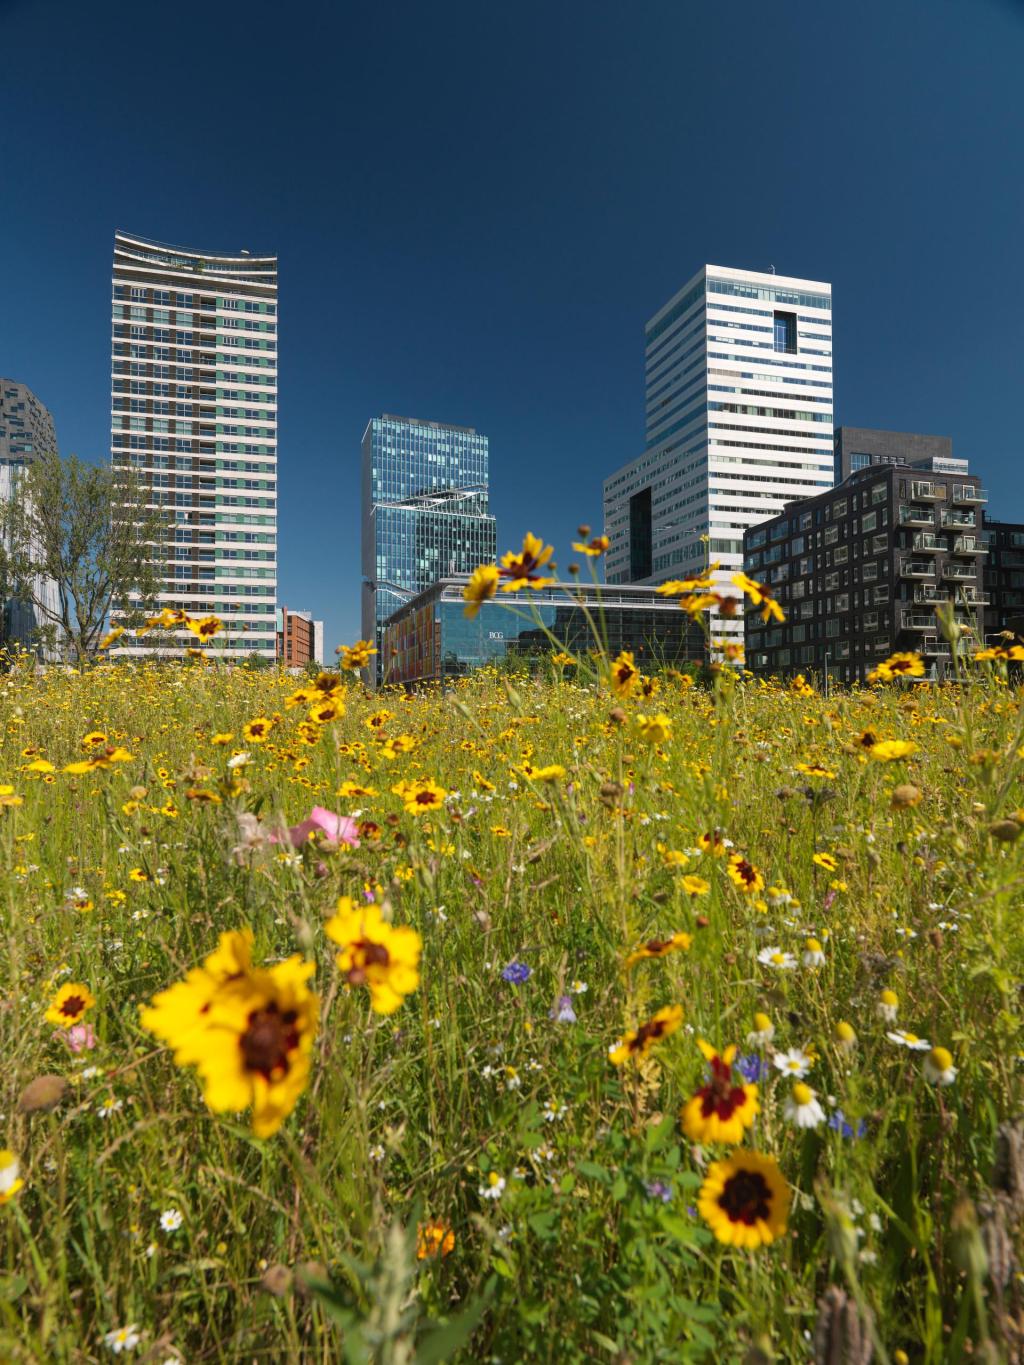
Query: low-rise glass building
x,y
430,638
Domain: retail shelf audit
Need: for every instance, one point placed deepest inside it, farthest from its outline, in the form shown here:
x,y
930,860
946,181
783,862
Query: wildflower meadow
x,y
591,1010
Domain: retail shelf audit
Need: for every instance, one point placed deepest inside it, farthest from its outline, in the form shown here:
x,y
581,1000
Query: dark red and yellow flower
x,y
745,875
723,1108
745,1200
660,947
638,1042
521,570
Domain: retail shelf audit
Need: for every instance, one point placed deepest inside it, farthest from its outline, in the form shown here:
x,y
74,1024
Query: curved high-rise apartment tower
x,y
194,413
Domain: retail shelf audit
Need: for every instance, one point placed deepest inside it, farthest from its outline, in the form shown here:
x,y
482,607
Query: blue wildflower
x,y
659,1189
839,1124
751,1068
516,972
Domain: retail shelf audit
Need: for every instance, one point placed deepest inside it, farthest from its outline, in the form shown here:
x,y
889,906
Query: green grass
x,y
406,1116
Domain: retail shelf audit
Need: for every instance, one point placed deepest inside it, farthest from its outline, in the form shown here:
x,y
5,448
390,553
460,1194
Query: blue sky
x,y
476,207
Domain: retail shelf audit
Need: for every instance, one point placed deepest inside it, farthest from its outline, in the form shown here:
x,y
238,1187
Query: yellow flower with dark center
x,y
95,739
826,861
357,655
682,587
745,875
888,750
745,1200
352,789
70,1004
1000,652
722,1109
655,729
482,782
383,957
248,1030
99,760
713,842
206,628
432,1240
482,586
39,765
594,547
138,875
680,941
202,796
326,711
906,665
520,570
8,796
327,684
672,857
398,744
225,737
551,773
299,697
419,798
761,596
378,719
814,770
624,675
638,1042
257,731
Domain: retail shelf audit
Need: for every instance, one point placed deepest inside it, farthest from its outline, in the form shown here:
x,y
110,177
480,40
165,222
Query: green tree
x,y
85,528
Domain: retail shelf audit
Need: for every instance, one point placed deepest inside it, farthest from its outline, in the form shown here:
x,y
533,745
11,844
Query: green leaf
x,y
12,1287
592,1171
442,1343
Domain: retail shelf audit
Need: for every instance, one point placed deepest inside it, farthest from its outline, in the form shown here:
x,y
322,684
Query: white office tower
x,y
739,422
194,414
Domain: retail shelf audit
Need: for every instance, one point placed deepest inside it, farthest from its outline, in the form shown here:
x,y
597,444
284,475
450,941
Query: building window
x,y
785,332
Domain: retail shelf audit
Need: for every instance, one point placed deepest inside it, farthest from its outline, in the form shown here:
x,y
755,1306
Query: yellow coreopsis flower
x,y
655,729
745,1200
356,656
722,1109
680,941
482,586
638,1042
70,1004
624,675
520,570
887,750
383,957
206,628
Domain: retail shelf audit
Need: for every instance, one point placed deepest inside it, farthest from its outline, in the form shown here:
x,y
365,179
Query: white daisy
x,y
775,957
802,1107
794,1063
171,1220
910,1040
939,1068
123,1339
494,1187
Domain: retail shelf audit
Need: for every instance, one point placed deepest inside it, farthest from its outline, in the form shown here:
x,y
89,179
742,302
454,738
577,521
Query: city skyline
x,y
489,252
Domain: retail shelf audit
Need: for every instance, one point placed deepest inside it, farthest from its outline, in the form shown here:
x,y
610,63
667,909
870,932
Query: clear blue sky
x,y
477,205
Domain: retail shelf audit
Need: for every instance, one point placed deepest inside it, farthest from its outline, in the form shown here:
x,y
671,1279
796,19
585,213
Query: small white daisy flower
x,y
909,1040
794,1063
802,1107
494,1187
814,956
123,1339
938,1066
171,1220
775,957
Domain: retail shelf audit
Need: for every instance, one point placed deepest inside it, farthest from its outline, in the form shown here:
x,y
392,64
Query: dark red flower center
x,y
73,1006
648,1034
720,1096
271,1035
366,955
745,1198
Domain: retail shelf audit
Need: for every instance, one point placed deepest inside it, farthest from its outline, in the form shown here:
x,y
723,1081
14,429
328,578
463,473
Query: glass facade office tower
x,y
424,513
194,412
739,422
26,432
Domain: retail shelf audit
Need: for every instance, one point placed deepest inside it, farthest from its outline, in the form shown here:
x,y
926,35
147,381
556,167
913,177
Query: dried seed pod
x,y
996,1240
842,1334
1008,1170
42,1094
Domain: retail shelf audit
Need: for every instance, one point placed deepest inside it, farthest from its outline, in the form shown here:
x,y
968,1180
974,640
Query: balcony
x,y
930,595
913,569
959,572
917,516
917,620
967,493
969,545
932,492
926,544
959,521
934,648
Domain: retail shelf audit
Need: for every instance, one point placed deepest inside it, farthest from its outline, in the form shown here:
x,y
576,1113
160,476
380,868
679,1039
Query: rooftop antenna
x,y
771,267
245,252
